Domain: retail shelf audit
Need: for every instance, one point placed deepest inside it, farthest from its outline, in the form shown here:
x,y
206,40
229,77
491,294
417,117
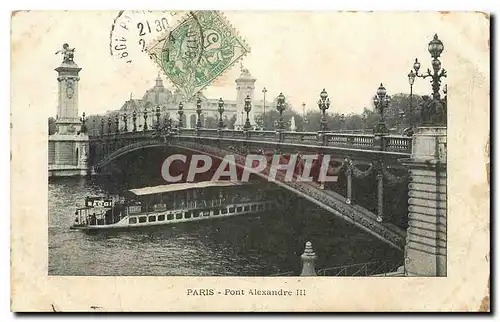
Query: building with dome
x,y
168,101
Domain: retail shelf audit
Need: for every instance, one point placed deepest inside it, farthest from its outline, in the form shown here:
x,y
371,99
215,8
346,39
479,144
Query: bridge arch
x,y
126,150
329,200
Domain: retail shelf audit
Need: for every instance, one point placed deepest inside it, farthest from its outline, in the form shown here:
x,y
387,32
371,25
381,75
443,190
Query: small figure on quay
x,y
68,53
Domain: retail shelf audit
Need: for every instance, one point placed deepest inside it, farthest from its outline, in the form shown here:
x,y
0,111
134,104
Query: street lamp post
x,y
248,108
280,107
323,104
109,125
167,123
402,120
381,102
435,114
411,81
198,111
303,116
342,122
221,110
180,112
117,124
134,120
145,128
125,129
158,117
102,126
83,119
363,121
264,91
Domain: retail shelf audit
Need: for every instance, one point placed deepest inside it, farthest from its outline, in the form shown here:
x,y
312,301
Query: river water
x,y
254,245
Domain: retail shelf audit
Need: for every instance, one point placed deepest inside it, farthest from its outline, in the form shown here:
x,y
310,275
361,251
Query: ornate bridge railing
x,y
390,143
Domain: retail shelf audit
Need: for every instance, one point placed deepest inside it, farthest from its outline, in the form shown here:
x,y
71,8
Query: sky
x,y
297,53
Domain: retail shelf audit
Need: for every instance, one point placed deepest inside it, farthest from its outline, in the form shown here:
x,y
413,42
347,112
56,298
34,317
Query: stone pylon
x,y
69,146
308,260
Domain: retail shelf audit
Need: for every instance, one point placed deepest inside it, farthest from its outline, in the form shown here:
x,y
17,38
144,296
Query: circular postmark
x,y
133,30
191,48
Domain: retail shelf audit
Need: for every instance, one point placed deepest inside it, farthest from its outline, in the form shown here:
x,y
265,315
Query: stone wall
x,y
426,243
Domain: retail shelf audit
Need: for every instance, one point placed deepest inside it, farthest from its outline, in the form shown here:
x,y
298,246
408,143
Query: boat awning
x,y
182,186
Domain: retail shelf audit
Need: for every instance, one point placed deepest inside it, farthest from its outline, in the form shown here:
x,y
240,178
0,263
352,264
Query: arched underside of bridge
x,y
127,150
326,199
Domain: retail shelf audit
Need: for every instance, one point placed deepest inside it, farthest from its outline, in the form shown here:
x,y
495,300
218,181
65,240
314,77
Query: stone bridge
x,y
358,156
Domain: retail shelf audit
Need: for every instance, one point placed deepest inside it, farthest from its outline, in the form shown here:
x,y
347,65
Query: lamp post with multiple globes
x,y
436,114
248,108
220,124
323,104
381,102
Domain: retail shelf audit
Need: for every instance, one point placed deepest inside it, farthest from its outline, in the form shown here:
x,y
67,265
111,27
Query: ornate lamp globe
x,y
323,95
435,47
181,106
436,64
247,103
281,103
221,104
281,98
376,100
381,91
411,77
416,65
387,100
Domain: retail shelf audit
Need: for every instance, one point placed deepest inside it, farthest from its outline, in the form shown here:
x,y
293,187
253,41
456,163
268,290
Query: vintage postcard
x,y
250,161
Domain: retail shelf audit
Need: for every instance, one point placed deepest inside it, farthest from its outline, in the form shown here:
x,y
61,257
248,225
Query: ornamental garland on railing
x,y
358,174
344,166
391,178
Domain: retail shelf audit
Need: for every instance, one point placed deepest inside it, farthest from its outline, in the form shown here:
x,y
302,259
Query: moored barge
x,y
175,203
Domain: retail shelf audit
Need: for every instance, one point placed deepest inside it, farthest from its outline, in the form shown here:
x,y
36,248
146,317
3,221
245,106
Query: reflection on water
x,y
252,245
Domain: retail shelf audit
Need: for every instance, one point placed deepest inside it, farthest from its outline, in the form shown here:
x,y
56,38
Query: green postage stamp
x,y
198,50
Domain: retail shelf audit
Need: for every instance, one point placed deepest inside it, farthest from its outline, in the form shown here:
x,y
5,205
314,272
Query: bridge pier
x,y
68,148
426,242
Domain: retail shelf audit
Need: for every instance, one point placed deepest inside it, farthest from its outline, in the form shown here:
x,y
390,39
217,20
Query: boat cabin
x,y
97,211
206,194
173,200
